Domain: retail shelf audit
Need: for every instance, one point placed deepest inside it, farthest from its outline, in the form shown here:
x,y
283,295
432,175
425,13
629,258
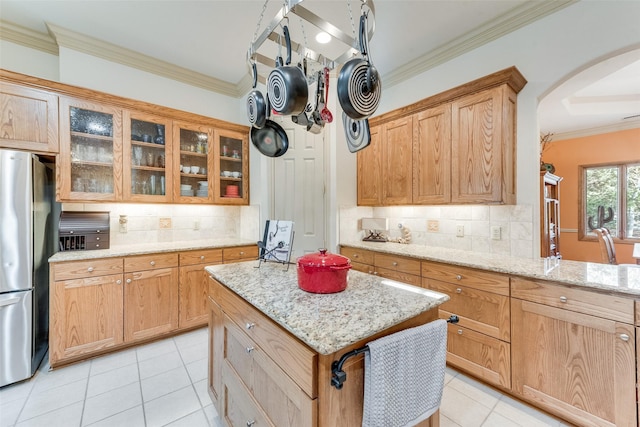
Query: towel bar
x,y
338,376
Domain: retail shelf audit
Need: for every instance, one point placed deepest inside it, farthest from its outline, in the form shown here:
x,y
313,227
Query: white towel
x,y
404,376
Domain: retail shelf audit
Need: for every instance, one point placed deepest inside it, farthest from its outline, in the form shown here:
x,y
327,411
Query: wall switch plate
x,y
123,223
459,230
165,222
496,232
433,225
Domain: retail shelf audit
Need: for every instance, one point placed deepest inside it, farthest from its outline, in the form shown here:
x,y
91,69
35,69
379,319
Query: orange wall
x,y
566,156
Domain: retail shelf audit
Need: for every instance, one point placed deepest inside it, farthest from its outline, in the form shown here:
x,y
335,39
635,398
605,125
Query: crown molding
x,y
504,24
29,38
581,133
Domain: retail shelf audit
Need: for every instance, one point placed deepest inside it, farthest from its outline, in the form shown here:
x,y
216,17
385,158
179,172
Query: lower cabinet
x,y
192,286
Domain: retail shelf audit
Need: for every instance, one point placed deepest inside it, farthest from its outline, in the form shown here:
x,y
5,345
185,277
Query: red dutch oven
x,y
323,273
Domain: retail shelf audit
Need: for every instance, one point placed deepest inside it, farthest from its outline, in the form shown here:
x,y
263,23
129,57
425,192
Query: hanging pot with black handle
x,y
271,140
359,85
357,133
287,85
256,105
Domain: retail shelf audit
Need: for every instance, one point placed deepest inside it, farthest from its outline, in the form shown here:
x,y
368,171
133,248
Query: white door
x,y
298,188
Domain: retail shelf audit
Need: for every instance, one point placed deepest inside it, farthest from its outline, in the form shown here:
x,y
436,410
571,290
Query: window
x,y
611,199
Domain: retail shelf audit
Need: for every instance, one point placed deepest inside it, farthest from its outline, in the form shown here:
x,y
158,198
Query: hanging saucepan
x,y
287,85
357,133
256,105
359,85
271,140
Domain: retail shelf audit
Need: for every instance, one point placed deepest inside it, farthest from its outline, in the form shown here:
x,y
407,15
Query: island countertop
x,y
326,322
615,279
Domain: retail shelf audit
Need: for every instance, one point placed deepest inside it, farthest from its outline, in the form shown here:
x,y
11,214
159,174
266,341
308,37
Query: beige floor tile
x,y
53,399
46,380
462,409
475,390
195,419
164,383
496,420
116,378
446,422
524,415
113,402
133,417
159,364
113,361
68,416
198,370
155,349
202,389
171,407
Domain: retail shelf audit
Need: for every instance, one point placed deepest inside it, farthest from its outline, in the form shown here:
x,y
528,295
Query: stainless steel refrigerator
x,y
27,240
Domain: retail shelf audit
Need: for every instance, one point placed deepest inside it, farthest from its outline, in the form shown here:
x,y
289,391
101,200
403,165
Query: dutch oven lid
x,y
323,259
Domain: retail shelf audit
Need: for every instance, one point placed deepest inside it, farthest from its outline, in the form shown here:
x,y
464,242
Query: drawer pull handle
x,y
152,263
97,238
563,299
250,423
459,277
118,282
459,331
250,325
128,280
201,257
90,269
242,253
355,255
249,349
458,291
395,264
624,337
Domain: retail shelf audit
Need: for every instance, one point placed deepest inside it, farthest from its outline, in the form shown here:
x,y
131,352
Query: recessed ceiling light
x,y
323,37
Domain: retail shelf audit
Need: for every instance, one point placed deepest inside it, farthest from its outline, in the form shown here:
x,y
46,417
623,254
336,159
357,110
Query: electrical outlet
x,y
123,224
459,230
433,225
496,232
165,222
196,224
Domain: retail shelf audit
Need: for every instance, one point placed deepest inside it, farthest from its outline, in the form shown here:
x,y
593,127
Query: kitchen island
x,y
272,344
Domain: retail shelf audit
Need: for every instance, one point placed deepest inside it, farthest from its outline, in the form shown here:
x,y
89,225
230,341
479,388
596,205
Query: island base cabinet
x,y
577,366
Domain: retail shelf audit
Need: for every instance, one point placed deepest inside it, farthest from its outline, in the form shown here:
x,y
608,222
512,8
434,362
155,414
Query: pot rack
x,y
294,7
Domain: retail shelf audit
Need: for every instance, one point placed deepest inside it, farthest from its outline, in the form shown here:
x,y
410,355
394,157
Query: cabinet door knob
x,y
202,257
250,423
459,331
241,253
395,264
458,291
118,282
563,299
152,263
459,277
97,238
624,337
128,280
249,349
250,325
90,269
355,255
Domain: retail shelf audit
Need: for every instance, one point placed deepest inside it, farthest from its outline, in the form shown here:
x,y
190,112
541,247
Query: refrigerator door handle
x,y
9,301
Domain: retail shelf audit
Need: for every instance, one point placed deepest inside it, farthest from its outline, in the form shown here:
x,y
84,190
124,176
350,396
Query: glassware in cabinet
x,y
90,151
232,168
147,158
193,163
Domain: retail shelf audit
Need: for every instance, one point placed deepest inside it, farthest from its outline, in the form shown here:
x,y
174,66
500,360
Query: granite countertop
x,y
149,248
616,279
326,322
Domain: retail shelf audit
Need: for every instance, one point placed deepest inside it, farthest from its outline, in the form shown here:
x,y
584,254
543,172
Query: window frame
x,y
622,201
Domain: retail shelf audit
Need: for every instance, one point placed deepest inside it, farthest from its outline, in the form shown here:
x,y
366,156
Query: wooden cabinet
x,y
570,356
89,166
239,253
192,288
361,259
403,269
28,119
368,160
231,168
86,308
480,342
193,161
550,215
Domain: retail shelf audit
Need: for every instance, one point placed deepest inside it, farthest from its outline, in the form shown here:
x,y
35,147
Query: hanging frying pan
x,y
287,85
359,85
357,133
256,105
271,140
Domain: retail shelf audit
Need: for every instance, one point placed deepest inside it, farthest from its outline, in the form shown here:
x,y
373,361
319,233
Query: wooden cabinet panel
x,y
397,263
481,311
369,167
397,158
192,296
238,407
216,351
578,300
89,268
209,256
472,278
28,119
240,253
86,316
577,366
399,276
150,262
481,355
150,303
361,256
432,156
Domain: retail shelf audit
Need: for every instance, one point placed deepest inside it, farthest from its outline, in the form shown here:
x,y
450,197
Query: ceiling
x,y
207,40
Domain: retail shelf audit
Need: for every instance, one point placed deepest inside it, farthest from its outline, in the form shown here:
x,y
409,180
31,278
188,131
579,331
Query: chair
x,y
607,248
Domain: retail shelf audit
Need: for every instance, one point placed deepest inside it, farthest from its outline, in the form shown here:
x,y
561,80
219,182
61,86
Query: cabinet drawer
x,y
209,256
490,282
269,385
582,301
365,268
150,262
391,262
295,358
481,311
400,276
362,256
97,242
240,253
90,268
238,408
486,357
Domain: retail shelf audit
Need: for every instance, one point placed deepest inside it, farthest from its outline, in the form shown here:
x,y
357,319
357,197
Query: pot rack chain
x,y
294,6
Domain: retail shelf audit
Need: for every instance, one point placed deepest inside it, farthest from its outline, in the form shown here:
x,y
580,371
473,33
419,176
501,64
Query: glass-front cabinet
x,y
232,168
193,163
90,151
147,158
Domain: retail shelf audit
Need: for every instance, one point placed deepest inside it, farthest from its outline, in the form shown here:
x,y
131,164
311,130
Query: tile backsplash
x,y
515,222
149,223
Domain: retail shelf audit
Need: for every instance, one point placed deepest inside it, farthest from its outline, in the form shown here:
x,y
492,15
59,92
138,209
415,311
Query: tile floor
x,y
165,384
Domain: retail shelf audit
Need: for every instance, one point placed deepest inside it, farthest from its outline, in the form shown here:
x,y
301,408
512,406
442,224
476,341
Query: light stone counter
x,y
326,322
149,248
617,279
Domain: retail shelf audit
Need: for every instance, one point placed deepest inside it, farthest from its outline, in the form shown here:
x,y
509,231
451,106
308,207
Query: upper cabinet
x,y
28,119
193,161
231,168
455,147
